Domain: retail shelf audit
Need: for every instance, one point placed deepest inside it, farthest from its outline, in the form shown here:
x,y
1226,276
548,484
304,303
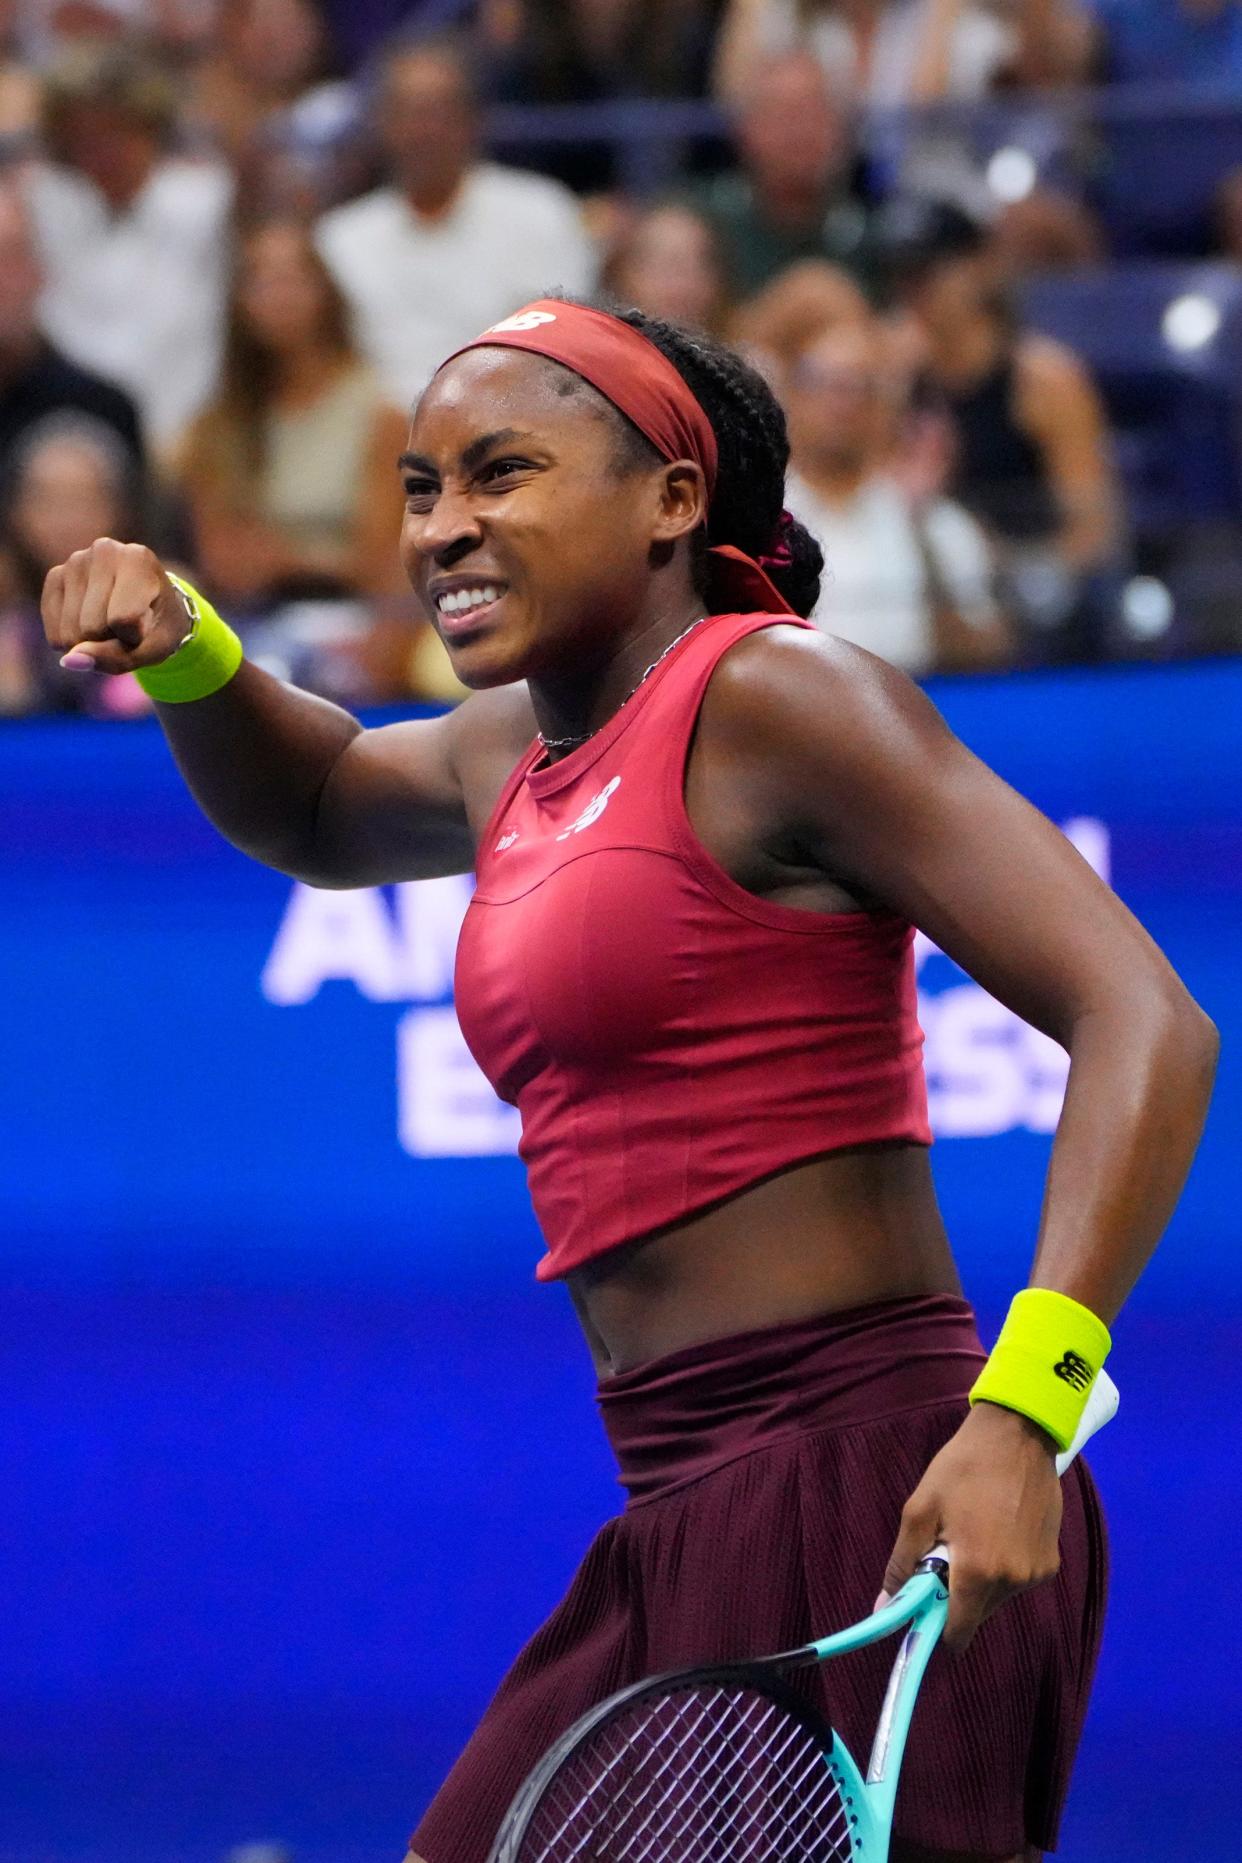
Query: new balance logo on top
x,y
1074,1370
524,320
593,810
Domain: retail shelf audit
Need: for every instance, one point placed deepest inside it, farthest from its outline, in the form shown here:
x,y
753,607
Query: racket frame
x,y
763,1675
920,1608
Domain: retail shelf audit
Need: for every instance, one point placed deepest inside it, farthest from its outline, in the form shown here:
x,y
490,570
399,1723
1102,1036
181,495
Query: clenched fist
x,y
112,609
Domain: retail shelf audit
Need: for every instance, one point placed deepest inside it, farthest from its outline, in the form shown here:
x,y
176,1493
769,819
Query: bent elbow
x,y
1208,1036
1190,1037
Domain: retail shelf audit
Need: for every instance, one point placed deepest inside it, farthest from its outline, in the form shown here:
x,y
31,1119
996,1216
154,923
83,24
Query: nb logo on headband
x,y
525,320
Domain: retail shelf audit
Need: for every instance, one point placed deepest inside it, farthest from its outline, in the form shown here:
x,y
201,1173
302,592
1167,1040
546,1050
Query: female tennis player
x,y
703,832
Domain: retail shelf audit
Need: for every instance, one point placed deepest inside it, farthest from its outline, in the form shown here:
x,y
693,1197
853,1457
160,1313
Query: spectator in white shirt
x,y
911,583
454,243
133,239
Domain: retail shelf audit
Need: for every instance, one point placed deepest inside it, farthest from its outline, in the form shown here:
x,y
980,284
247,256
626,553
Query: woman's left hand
x,y
992,1495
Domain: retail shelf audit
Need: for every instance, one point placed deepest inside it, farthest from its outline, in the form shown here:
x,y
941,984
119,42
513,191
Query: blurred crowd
x,y
988,253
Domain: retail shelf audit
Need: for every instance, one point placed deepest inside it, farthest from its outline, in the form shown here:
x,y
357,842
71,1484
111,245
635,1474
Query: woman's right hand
x,y
112,609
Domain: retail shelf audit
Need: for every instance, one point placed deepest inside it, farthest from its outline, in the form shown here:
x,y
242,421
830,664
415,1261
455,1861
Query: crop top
x,y
668,1038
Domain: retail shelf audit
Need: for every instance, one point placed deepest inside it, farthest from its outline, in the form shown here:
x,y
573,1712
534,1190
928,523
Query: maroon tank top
x,y
668,1038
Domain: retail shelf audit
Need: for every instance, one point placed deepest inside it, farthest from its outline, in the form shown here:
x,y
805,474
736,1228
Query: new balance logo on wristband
x,y
1074,1370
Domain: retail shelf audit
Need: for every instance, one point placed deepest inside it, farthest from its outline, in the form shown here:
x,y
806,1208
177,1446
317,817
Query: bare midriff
x,y
840,1231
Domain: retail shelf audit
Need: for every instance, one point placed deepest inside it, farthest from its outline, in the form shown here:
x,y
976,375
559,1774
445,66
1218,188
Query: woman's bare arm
x,y
856,764
1060,407
889,802
292,780
301,785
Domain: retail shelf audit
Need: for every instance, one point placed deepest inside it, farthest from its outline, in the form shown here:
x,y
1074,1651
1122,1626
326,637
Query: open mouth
x,y
464,608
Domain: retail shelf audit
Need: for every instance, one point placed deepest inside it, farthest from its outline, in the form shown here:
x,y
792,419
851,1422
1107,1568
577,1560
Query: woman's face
x,y
671,269
954,291
836,397
279,292
526,535
66,496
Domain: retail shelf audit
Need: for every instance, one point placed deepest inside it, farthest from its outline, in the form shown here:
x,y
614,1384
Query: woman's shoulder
x,y
1052,382
788,693
1045,365
813,727
782,665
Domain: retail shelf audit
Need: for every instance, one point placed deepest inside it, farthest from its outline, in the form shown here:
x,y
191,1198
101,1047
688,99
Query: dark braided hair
x,y
749,424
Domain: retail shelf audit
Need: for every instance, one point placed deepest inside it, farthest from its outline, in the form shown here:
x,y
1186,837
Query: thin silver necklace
x,y
572,743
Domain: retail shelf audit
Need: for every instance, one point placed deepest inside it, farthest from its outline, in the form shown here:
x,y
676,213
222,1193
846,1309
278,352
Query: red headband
x,y
632,373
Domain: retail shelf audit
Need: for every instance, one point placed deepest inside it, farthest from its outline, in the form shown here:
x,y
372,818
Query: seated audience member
x,y
132,237
71,479
267,56
667,261
35,379
795,193
1032,455
452,243
801,303
910,582
290,473
264,97
902,58
887,53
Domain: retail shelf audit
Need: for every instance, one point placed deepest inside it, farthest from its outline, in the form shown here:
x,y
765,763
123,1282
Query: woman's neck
x,y
570,709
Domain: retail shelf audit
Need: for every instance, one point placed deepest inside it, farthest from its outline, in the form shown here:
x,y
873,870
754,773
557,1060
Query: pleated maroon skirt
x,y
765,1476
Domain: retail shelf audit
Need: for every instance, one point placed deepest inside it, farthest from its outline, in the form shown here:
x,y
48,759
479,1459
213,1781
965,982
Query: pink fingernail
x,y
881,1601
75,662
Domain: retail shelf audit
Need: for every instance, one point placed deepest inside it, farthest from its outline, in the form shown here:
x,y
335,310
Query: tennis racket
x,y
730,1764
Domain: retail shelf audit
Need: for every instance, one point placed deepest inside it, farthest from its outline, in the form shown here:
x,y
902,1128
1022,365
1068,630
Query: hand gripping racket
x,y
730,1764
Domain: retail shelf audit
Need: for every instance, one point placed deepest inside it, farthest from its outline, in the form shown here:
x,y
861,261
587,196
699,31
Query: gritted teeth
x,y
458,601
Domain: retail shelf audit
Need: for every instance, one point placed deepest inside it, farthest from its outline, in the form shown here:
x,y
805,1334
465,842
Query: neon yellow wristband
x,y
1045,1361
207,658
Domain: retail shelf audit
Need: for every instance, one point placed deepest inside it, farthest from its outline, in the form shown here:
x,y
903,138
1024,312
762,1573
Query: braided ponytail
x,y
749,424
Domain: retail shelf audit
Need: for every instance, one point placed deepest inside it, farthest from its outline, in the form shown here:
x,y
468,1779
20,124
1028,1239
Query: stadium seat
x,y
1164,342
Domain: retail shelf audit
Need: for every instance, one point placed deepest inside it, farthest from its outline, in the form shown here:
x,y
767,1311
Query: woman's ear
x,y
682,494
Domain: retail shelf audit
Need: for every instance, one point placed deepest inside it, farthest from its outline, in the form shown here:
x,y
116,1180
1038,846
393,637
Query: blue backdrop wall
x,y
295,1453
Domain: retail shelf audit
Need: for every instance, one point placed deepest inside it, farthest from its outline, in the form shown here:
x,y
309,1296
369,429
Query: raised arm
x,y
290,779
865,776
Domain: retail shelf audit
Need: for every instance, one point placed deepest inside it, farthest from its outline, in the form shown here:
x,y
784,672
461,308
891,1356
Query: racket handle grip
x,y
1100,1408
